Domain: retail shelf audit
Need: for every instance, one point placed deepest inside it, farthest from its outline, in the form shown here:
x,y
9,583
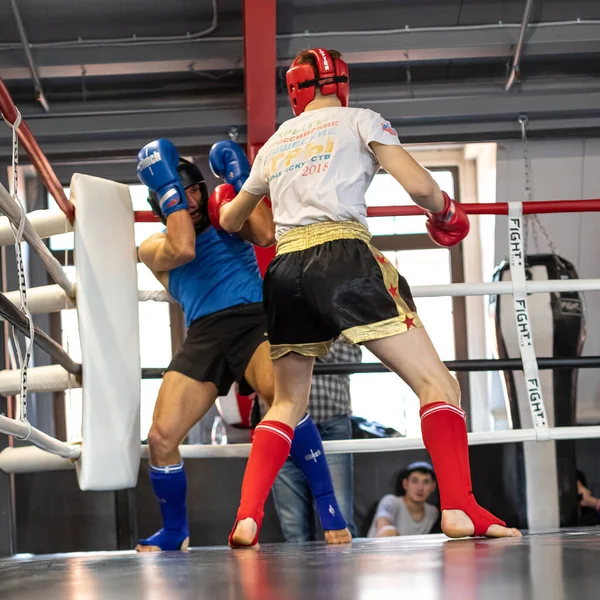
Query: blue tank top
x,y
223,274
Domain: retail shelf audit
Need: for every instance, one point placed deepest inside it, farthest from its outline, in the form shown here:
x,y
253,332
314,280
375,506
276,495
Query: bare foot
x,y
456,524
244,534
184,547
338,536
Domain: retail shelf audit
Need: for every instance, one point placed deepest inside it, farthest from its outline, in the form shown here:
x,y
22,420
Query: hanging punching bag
x,y
558,326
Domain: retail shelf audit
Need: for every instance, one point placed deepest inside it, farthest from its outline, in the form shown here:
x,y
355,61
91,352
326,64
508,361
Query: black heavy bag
x,y
558,326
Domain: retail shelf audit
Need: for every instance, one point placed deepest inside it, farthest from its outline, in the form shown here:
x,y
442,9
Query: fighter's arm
x,y
177,246
384,517
418,183
385,527
259,228
447,223
231,206
587,500
234,214
157,168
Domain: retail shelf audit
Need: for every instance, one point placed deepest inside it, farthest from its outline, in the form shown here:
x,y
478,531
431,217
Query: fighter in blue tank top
x,y
215,278
223,274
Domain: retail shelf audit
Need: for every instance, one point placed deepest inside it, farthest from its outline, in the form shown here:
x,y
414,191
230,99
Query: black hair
x,y
406,473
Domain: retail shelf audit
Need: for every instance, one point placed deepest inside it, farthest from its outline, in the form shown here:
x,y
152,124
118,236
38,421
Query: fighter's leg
x,y
412,356
182,402
306,451
271,444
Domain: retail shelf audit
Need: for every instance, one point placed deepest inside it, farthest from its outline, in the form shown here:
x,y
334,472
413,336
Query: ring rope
x,y
32,460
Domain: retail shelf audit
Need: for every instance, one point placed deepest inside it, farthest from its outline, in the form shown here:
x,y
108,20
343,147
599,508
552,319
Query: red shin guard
x,y
270,449
445,436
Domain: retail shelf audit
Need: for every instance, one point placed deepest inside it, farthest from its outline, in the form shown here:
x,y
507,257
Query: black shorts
x,y
328,280
218,347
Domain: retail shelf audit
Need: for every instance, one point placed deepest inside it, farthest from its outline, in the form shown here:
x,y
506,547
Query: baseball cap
x,y
420,465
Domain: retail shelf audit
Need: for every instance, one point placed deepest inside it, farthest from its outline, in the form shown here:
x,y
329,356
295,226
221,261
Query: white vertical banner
x,y
543,510
526,348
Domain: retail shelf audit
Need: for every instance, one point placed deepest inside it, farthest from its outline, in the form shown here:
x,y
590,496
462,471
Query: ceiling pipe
x,y
37,84
515,69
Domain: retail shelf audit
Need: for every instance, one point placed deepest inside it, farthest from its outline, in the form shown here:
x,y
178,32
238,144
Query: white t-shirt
x,y
318,166
393,508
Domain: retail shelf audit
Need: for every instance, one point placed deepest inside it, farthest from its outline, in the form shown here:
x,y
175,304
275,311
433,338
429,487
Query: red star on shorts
x,y
393,291
409,322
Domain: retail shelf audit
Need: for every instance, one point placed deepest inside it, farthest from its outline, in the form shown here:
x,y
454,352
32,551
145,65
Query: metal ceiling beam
x,y
434,44
221,55
35,78
218,54
434,113
515,69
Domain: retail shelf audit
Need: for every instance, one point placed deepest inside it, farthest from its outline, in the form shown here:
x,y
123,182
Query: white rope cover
x,y
52,298
505,287
53,378
45,223
31,460
44,299
458,289
24,431
53,267
155,296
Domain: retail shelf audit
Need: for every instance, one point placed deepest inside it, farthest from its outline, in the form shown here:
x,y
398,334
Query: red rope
x,y
495,208
484,208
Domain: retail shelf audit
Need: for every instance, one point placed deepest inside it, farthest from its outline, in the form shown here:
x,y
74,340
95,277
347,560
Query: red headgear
x,y
332,78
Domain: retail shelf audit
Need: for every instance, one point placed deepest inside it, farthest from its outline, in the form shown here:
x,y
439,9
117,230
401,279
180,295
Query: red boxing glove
x,y
222,194
449,226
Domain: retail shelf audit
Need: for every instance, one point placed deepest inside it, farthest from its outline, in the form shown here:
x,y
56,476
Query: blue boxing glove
x,y
157,168
229,162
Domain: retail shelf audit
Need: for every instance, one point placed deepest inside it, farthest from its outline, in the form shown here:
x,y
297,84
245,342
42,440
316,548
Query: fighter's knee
x,y
160,442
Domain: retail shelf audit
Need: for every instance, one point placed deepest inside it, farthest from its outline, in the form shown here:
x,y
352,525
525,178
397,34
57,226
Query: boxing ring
x,y
106,296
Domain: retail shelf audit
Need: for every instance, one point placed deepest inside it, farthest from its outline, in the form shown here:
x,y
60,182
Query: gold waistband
x,y
308,236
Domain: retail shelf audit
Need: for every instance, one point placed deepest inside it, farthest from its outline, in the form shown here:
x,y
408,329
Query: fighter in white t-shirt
x,y
317,168
327,279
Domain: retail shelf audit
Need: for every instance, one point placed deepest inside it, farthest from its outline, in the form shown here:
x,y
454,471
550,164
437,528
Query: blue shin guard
x,y
308,455
170,486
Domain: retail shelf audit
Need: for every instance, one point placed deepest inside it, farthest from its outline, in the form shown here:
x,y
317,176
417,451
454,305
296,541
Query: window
x,y
424,263
386,191
155,331
64,241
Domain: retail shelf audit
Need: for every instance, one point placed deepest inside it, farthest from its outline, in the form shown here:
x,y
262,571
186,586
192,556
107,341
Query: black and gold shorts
x,y
328,280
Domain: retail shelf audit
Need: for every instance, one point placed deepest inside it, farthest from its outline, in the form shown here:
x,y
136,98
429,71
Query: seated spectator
x,y
590,505
408,514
